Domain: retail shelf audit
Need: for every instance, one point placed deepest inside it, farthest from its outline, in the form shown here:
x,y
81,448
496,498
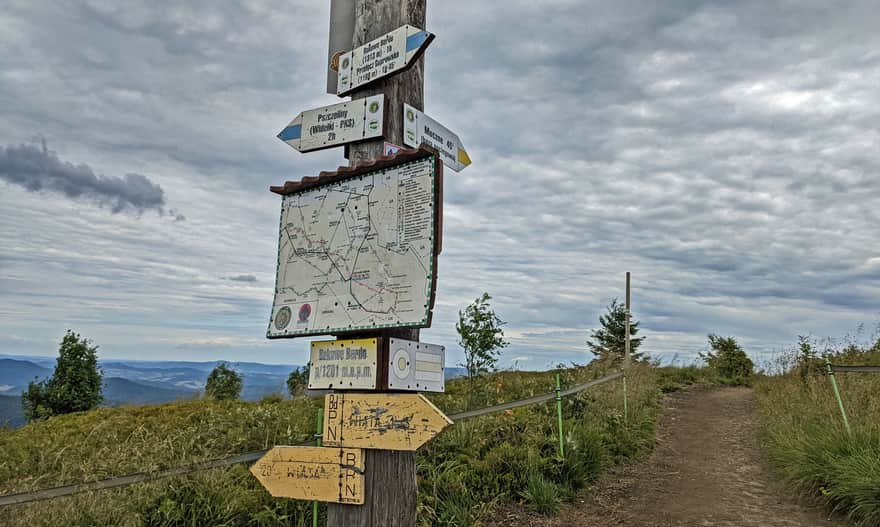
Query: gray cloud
x,y
247,278
40,170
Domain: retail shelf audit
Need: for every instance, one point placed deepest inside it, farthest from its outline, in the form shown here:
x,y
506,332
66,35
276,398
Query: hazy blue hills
x,y
144,382
165,380
118,391
16,374
10,411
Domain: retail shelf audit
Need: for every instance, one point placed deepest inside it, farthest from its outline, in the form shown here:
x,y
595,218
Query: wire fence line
x,y
856,369
144,477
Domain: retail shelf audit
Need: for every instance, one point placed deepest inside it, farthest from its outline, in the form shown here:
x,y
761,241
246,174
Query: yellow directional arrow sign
x,y
382,421
333,475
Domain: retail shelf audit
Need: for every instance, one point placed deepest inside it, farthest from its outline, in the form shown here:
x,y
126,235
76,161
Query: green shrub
x,y
75,385
223,384
729,361
542,495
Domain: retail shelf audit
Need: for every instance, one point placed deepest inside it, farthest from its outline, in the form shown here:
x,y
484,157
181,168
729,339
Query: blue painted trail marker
x,y
336,125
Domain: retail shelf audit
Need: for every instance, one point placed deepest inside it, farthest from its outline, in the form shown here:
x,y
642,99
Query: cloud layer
x,y
724,153
39,170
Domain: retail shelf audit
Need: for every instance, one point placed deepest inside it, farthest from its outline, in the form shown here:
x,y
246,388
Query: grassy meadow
x,y
476,464
804,434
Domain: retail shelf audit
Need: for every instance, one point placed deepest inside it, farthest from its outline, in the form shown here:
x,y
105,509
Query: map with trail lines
x,y
357,254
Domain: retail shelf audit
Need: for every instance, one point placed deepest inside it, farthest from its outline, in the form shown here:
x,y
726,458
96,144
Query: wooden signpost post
x,y
357,260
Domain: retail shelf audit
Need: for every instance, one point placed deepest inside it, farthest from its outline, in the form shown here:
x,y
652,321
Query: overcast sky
x,y
726,153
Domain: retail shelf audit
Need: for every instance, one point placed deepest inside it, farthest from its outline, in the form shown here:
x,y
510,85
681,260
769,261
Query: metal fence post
x,y
837,394
559,417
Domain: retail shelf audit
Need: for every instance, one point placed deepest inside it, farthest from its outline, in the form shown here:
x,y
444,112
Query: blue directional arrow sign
x,y
337,124
391,53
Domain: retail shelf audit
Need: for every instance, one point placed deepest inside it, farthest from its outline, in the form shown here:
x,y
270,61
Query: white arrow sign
x,y
337,124
390,53
418,128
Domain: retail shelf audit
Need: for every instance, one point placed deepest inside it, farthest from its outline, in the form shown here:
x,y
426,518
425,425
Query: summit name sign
x,y
344,364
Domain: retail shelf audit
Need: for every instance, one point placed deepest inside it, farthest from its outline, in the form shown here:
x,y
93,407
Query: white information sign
x,y
358,253
416,366
337,124
418,128
343,364
390,53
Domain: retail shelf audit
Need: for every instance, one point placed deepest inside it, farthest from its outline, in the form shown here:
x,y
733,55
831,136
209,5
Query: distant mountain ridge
x,y
16,374
145,382
11,413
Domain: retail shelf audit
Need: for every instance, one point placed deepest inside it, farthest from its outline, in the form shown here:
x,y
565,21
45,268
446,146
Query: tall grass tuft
x,y
543,495
805,438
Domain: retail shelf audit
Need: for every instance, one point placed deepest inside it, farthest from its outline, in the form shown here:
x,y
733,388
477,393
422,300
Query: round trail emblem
x,y
400,364
282,318
305,311
334,62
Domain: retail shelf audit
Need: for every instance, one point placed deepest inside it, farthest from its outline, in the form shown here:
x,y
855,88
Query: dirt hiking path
x,y
706,470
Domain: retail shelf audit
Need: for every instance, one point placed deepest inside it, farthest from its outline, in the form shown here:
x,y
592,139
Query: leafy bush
x,y
224,383
675,378
729,361
298,380
75,385
481,337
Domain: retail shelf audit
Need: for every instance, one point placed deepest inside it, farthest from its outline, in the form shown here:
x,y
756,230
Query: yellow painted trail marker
x,y
334,475
419,128
383,421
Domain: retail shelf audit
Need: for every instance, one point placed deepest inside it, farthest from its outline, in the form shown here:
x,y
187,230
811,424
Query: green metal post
x,y
318,436
837,394
625,403
559,417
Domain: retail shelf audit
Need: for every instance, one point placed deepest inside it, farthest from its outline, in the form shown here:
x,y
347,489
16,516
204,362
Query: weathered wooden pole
x,y
626,351
390,477
626,345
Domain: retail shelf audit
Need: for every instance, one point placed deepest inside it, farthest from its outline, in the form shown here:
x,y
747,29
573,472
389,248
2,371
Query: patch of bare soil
x,y
705,471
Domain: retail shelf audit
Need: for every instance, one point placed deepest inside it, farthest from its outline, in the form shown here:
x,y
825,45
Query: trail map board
x,y
359,253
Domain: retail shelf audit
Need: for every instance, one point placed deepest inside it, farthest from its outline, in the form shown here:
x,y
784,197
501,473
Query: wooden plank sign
x,y
383,421
344,364
418,128
336,125
415,366
391,53
334,475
